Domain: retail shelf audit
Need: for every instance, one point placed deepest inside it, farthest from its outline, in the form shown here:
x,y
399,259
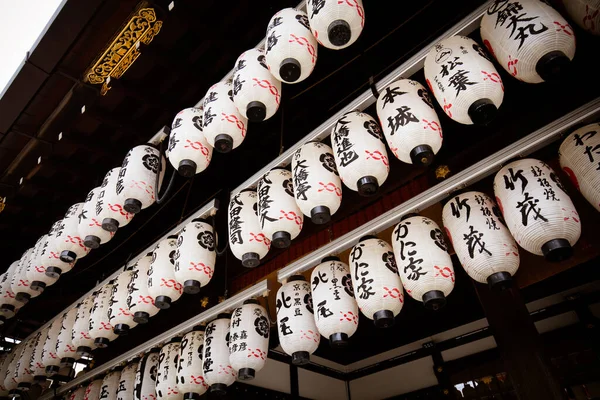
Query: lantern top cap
x,y
247,190
223,315
134,360
118,368
200,219
251,301
367,237
330,258
199,328
172,237
176,339
278,167
295,278
409,215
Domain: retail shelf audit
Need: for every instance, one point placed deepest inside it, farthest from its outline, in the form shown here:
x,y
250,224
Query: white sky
x,y
21,23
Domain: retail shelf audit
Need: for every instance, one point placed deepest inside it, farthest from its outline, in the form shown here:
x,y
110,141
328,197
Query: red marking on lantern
x,y
394,293
330,187
257,353
71,348
310,335
119,208
125,311
41,270
304,42
494,77
572,176
500,205
572,212
377,155
265,84
445,272
143,186
171,390
85,335
105,326
433,125
201,267
359,9
9,294
23,282
76,240
488,45
512,66
95,223
146,299
149,397
317,37
512,250
590,17
227,370
428,85
447,108
234,120
260,238
54,255
292,216
349,316
393,149
171,283
566,28
198,380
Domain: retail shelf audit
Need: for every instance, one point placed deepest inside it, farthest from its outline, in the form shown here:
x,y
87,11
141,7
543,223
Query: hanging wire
x,y
159,199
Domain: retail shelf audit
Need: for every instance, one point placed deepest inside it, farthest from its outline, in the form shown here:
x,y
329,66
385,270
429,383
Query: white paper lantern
x,y
360,154
10,383
190,378
579,158
80,334
196,256
464,81
121,318
336,24
166,377
256,92
136,186
483,244
298,334
224,127
110,385
109,207
246,240
189,152
68,243
19,284
37,365
9,305
249,339
145,377
424,265
162,285
90,227
65,349
77,394
217,370
36,271
127,380
4,361
537,210
50,358
317,185
336,314
50,256
23,371
92,391
139,301
530,39
280,218
585,13
101,330
291,48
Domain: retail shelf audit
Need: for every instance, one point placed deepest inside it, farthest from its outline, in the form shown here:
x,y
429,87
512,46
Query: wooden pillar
x,y
519,344
294,384
439,369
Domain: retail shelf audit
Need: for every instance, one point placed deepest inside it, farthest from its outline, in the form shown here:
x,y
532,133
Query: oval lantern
x,y
90,227
336,25
246,240
92,391
37,366
336,313
166,376
483,244
578,155
464,81
127,380
360,154
9,304
196,255
530,39
586,13
80,334
10,383
51,256
374,281
109,207
101,330
23,371
298,334
67,241
317,185
280,218
110,384
36,271
291,48
224,127
537,210
249,339
136,184
145,376
65,349
162,285
189,152
4,362
409,121
19,284
424,265
121,318
139,301
256,92
50,359
217,370
77,394
190,379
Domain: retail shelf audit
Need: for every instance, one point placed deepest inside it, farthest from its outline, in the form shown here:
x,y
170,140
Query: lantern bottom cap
x,y
101,342
84,350
434,300
551,66
187,168
281,239
141,317
383,319
133,206
295,278
191,396
91,241
246,374
290,70
219,389
223,143
500,280
300,357
256,111
250,260
110,224
51,370
251,301
367,186
557,250
338,340
16,393
162,302
24,386
422,155
67,361
68,256
38,286
53,272
482,111
40,378
191,286
330,258
320,215
23,297
2,319
7,309
339,32
121,329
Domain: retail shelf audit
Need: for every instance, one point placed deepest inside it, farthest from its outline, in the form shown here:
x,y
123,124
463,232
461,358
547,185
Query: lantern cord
x,y
159,198
268,307
373,87
221,252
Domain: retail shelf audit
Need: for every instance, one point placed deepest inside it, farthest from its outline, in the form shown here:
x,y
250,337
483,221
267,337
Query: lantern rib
x,y
486,167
